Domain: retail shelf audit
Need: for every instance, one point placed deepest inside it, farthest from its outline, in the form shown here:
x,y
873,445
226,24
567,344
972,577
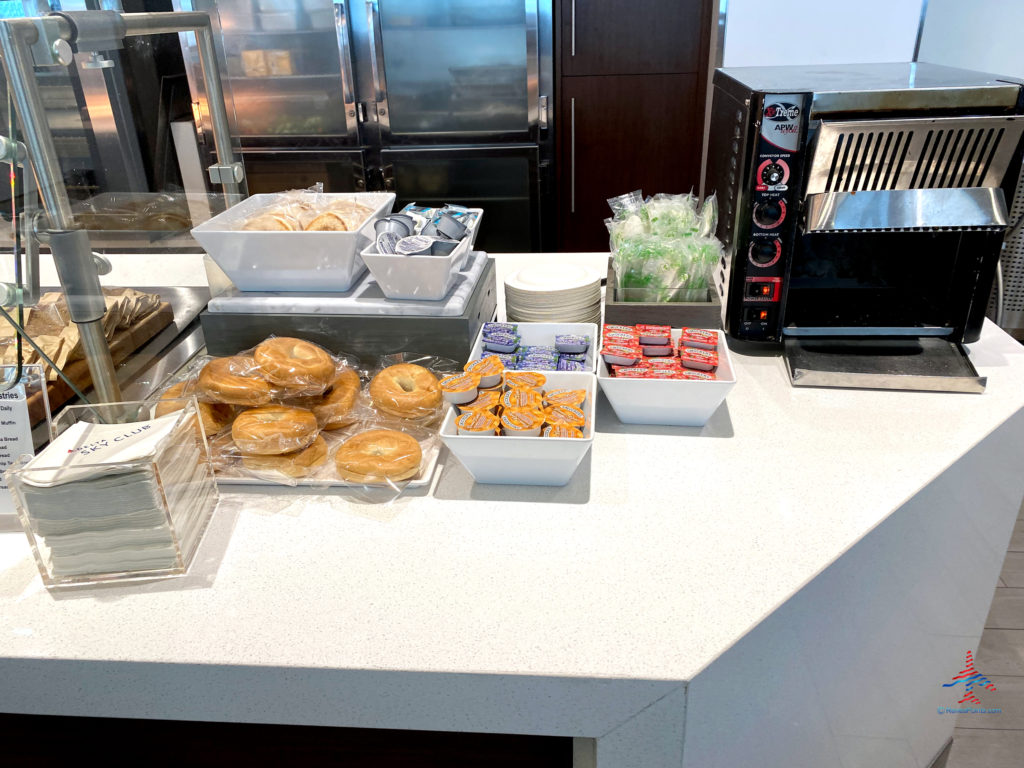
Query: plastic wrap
x,y
308,210
274,430
294,438
407,386
663,249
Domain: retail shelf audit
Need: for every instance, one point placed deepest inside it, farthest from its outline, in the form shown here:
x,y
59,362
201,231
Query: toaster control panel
x,y
759,273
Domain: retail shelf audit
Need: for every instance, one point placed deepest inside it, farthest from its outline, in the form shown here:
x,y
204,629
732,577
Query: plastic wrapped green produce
x,y
662,248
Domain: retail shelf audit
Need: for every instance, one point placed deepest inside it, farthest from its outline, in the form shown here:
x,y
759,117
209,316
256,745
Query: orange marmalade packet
x,y
573,397
560,430
521,397
460,382
566,415
477,422
486,400
485,366
529,379
521,419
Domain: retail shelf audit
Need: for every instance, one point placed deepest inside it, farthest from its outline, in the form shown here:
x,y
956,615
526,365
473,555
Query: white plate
x,y
569,305
568,301
546,278
541,299
526,460
666,401
552,317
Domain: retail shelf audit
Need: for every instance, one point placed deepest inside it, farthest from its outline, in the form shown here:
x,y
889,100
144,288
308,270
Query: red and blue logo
x,y
971,678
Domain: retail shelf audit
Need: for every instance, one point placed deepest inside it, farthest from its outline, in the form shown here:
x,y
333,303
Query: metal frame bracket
x,y
50,49
232,173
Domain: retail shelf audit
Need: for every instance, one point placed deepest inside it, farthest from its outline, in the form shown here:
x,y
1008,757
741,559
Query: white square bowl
x,y
666,401
421,278
290,261
508,460
543,335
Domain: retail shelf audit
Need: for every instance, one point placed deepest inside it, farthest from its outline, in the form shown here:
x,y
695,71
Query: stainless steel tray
x,y
926,364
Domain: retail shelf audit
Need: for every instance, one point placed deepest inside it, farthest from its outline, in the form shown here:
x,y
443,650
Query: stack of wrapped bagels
x,y
272,407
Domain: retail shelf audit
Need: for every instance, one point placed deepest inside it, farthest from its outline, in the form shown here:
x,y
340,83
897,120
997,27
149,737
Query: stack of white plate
x,y
553,293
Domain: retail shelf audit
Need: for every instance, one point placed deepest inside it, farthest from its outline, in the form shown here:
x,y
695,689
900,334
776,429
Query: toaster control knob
x,y
769,214
772,174
765,252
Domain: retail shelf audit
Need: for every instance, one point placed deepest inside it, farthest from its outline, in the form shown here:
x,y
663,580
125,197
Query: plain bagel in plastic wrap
x,y
289,411
407,386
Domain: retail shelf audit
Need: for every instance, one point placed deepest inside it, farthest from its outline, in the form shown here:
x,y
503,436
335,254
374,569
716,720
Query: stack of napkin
x,y
105,499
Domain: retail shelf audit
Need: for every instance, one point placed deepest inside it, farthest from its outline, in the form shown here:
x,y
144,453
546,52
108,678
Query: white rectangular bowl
x,y
290,261
421,278
543,334
508,460
665,401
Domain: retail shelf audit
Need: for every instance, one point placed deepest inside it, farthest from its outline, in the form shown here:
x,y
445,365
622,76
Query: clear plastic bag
x,y
306,456
308,210
663,249
406,386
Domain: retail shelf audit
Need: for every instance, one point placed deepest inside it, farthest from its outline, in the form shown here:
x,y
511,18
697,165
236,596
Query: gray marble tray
x,y
366,298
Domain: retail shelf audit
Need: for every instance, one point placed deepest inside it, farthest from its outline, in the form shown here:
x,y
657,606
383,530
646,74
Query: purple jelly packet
x,y
539,359
505,344
504,327
571,343
580,358
570,365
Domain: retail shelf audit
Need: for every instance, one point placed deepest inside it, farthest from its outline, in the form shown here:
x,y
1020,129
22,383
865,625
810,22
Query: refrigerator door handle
x,y
348,89
573,46
532,63
380,87
572,155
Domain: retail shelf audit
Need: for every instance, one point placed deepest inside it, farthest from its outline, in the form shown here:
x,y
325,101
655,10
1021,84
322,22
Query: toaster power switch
x,y
760,290
756,315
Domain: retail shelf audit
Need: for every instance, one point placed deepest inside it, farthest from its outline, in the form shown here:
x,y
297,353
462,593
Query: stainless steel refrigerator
x,y
437,100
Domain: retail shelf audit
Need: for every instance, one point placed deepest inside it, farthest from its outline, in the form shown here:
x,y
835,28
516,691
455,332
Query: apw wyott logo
x,y
971,678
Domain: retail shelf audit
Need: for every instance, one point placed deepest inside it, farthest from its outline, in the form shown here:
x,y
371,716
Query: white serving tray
x,y
290,261
508,460
543,334
423,478
666,401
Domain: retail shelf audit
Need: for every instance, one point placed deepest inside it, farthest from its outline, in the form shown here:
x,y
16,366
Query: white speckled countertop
x,y
668,546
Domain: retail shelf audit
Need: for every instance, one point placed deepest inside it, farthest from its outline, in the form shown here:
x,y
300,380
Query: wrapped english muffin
x,y
308,211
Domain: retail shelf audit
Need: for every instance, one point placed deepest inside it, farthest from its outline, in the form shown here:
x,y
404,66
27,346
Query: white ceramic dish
x,y
550,292
552,277
509,460
290,261
665,401
421,278
543,334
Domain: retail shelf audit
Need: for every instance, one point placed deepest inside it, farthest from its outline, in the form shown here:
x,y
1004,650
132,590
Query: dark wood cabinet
x,y
624,132
630,37
631,84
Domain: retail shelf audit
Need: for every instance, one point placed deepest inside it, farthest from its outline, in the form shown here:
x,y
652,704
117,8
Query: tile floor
x,y
997,741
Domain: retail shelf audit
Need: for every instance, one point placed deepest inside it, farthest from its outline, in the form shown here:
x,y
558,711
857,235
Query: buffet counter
x,y
788,586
